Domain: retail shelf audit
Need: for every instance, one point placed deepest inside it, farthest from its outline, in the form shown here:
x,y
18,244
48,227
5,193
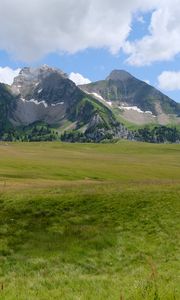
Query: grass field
x,y
89,221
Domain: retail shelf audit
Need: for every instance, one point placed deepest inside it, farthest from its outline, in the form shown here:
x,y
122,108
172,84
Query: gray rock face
x,y
119,75
122,89
44,94
95,122
30,79
27,112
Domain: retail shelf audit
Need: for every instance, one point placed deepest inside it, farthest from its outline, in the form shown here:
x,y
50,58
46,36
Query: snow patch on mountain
x,y
35,102
41,102
97,96
109,102
59,103
135,108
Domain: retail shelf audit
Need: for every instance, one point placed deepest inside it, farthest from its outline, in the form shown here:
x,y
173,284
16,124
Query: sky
x,y
88,39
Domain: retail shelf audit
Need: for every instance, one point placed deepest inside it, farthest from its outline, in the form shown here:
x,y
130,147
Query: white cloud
x,y
147,81
169,81
163,42
7,75
140,19
78,79
32,29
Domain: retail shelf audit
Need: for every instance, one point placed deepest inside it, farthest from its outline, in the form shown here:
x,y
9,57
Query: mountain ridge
x,y
123,90
43,98
47,95
119,75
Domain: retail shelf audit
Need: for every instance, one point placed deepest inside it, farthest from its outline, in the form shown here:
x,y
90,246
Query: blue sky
x,y
140,38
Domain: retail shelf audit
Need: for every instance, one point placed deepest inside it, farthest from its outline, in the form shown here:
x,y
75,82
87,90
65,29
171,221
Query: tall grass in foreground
x,y
89,222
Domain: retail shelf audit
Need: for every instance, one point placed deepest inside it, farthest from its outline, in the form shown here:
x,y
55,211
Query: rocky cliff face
x,y
136,100
43,94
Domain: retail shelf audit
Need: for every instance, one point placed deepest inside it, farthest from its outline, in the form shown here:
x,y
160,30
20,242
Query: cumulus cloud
x,y
78,79
163,42
7,75
140,19
169,81
32,29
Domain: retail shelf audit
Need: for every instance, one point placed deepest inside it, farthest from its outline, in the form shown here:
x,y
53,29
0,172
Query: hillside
x,y
88,221
43,104
46,96
135,100
7,104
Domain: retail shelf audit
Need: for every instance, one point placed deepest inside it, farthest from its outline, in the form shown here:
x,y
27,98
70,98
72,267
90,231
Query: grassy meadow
x,y
89,221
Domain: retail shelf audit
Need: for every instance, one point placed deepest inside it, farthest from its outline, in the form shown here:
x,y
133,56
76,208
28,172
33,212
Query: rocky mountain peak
x,y
30,78
33,74
24,71
119,75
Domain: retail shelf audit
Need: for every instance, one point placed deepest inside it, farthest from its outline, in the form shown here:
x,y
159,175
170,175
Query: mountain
x,y
134,100
44,104
46,95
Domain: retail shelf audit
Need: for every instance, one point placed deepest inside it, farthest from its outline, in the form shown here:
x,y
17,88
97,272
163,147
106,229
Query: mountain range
x,y
45,97
135,100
